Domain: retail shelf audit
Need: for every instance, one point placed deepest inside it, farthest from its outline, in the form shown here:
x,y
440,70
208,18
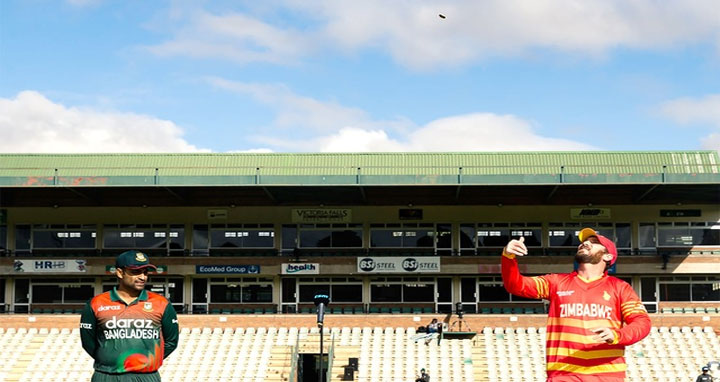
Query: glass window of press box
x,y
566,234
3,232
21,295
689,288
322,236
241,290
339,289
412,235
3,305
160,238
3,239
487,291
688,234
224,239
62,291
402,289
487,237
49,239
242,236
199,295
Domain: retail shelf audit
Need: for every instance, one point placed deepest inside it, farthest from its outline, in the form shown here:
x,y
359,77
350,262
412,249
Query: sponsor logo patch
x,y
103,308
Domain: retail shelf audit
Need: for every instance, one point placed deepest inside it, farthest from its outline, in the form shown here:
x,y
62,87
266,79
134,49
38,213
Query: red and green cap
x,y
585,233
133,260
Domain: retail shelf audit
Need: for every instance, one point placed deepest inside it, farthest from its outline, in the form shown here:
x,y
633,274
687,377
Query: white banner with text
x,y
399,264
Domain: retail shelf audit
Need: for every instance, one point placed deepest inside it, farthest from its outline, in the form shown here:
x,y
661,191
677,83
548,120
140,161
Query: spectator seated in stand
x,y
432,331
423,377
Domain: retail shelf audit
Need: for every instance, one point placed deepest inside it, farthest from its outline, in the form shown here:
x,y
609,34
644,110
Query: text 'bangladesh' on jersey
x,y
128,338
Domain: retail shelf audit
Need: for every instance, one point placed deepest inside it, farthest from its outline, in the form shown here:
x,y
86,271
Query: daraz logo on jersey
x,y
126,328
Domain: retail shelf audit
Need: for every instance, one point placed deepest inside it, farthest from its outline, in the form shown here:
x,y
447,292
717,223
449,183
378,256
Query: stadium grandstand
x,y
243,243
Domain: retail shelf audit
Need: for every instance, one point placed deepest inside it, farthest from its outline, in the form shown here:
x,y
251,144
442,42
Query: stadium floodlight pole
x,y
321,300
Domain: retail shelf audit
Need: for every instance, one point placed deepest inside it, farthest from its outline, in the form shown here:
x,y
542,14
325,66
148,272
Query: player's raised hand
x,y
517,247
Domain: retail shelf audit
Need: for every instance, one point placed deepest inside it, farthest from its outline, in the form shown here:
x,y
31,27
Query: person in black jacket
x,y
704,377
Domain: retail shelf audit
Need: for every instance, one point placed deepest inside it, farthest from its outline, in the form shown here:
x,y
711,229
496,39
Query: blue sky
x,y
358,76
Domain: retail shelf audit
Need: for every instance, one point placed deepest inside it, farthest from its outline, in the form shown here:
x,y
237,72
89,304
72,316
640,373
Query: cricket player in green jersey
x,y
128,330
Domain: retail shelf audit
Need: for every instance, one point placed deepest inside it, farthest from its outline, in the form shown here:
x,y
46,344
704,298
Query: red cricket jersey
x,y
576,307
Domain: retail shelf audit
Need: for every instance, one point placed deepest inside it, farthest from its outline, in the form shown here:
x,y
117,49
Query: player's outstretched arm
x,y
514,282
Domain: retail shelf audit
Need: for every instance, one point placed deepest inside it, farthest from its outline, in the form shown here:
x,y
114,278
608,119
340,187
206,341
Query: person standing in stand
x,y
592,316
705,376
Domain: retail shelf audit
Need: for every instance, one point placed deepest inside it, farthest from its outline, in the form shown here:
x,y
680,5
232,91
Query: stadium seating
x,y
496,354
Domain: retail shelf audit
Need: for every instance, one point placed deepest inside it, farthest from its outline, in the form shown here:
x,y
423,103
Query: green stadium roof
x,y
239,169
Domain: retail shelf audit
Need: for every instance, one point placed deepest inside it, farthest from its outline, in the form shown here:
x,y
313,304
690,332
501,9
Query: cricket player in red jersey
x,y
592,316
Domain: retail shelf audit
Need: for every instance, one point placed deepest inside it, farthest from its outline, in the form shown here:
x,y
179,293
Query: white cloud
x,y
236,37
704,111
470,132
686,110
307,124
413,34
295,111
31,123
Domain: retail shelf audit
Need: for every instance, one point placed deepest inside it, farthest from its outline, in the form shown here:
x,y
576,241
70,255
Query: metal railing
x,y
331,355
294,359
354,175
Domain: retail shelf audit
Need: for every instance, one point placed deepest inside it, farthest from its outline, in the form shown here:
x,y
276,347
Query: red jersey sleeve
x,y
529,287
635,317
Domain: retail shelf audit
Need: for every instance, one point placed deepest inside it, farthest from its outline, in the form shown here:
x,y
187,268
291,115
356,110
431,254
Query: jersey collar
x,y
115,297
588,281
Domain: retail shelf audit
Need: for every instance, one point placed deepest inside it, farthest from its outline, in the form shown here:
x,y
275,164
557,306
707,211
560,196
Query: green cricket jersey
x,y
126,338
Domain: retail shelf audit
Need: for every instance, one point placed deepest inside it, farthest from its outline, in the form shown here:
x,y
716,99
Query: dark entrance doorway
x,y
309,365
